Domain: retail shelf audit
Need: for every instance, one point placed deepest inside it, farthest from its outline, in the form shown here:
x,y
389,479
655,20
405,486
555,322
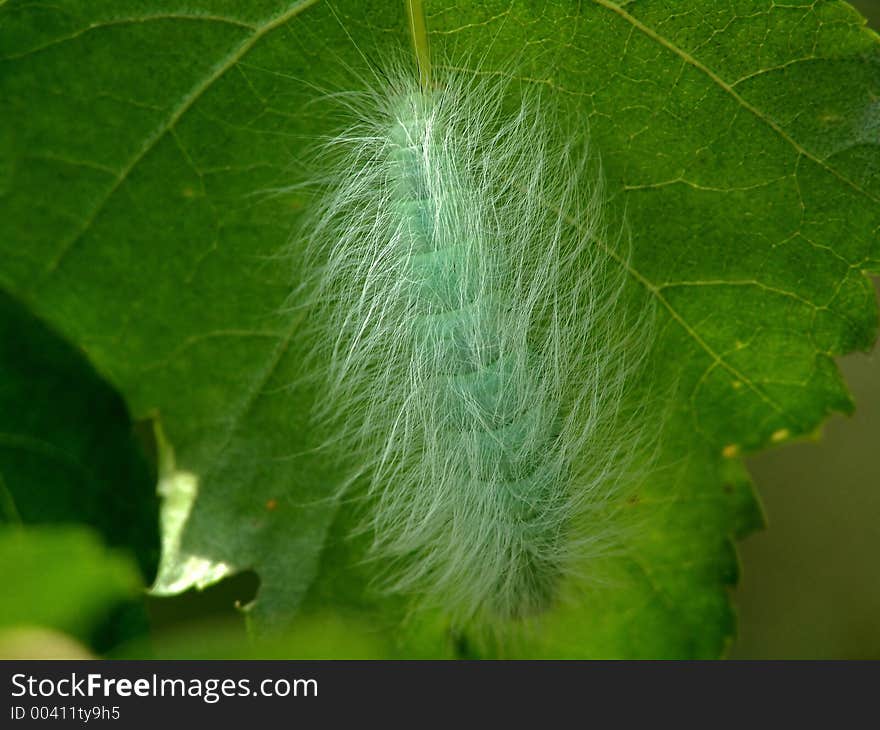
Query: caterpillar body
x,y
477,351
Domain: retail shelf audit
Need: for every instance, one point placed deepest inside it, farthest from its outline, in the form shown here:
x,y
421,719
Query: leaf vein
x,y
228,62
728,88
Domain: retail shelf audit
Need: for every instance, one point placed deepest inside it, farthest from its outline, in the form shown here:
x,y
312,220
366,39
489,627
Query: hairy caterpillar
x,y
479,358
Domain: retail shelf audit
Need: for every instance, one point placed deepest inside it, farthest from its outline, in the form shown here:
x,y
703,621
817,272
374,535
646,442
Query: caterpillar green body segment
x,y
478,362
496,439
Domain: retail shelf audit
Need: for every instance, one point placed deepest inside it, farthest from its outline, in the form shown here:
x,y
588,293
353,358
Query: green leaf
x,y
740,138
61,578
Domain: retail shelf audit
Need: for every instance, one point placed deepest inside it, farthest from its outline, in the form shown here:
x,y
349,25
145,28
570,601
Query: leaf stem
x,y
419,33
